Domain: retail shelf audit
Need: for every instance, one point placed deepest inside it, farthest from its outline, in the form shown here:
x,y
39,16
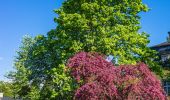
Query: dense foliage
x,y
106,26
101,80
165,63
20,78
7,89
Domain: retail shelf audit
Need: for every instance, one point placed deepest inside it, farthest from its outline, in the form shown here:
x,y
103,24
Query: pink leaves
x,y
101,80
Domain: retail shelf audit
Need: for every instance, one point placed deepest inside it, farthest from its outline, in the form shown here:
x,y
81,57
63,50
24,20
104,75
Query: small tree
x,y
101,80
6,88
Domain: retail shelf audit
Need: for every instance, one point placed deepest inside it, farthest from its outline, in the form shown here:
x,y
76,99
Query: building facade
x,y
163,50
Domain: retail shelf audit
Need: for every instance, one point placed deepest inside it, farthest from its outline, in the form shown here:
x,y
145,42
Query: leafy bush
x,y
101,80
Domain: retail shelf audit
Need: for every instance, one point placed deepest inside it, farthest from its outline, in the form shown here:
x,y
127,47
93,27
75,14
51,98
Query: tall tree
x,y
21,76
106,26
39,71
47,70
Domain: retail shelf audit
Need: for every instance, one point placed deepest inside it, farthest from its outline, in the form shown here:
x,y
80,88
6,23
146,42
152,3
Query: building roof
x,y
161,45
167,43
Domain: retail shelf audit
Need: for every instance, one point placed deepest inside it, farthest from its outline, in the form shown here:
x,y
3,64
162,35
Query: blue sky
x,y
156,22
21,17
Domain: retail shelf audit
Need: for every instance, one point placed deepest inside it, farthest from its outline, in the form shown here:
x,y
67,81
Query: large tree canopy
x,y
105,26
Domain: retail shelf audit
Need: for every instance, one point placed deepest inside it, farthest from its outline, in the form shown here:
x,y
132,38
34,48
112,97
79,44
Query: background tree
x,y
47,67
6,88
36,76
21,76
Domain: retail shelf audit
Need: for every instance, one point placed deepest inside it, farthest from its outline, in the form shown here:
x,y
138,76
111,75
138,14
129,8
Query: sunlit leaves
x,y
107,26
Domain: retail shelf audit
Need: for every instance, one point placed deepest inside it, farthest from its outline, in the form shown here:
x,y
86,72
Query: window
x,y
164,49
165,57
167,87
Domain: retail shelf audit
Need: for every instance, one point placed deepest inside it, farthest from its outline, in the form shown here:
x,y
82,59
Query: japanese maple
x,y
101,80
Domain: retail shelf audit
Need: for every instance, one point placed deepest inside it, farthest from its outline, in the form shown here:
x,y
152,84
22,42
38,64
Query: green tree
x,y
106,26
21,75
6,88
36,76
47,69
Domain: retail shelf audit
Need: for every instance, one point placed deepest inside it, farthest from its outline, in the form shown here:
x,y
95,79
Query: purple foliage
x,y
101,80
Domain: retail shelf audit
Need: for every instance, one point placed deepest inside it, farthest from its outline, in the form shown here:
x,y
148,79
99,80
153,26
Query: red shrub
x,y
101,80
